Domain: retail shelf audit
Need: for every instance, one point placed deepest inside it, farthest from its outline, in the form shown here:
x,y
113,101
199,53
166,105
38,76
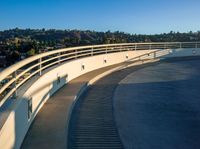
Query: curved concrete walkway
x,y
49,129
155,107
92,124
158,107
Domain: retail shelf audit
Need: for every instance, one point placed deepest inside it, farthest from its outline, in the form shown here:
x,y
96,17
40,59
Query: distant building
x,y
23,56
59,46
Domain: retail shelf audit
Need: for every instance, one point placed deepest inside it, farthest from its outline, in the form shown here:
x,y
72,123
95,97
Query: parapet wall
x,y
18,122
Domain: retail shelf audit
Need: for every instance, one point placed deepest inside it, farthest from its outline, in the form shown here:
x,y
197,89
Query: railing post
x,y
76,54
15,84
106,50
135,47
92,51
150,47
196,45
165,46
59,57
180,45
40,66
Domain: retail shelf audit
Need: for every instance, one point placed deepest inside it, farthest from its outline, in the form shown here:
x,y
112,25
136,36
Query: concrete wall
x,y
17,123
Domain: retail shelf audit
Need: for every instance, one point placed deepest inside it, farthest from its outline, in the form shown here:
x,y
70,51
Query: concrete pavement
x,y
158,107
154,107
49,129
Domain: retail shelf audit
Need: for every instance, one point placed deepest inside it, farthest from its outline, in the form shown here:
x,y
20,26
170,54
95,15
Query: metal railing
x,y
16,75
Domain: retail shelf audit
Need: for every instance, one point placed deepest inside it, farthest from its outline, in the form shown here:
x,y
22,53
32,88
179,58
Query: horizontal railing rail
x,y
16,75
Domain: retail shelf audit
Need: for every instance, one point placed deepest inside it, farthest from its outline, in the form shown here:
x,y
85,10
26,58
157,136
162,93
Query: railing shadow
x,y
23,119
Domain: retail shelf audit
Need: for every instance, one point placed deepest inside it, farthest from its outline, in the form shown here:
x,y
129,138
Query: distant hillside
x,y
78,37
17,44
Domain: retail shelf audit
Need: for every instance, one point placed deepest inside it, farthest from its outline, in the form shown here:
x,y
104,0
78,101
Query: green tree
x,y
31,52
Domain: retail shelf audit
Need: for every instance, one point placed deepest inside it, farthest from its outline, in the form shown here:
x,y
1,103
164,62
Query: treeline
x,y
52,37
17,44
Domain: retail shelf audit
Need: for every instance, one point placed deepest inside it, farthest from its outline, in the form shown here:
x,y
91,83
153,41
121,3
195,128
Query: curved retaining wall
x,y
18,121
14,129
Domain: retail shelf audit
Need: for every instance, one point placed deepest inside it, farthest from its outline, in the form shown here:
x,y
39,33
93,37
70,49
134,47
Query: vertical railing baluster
x,y
40,66
59,54
15,84
92,50
76,55
165,46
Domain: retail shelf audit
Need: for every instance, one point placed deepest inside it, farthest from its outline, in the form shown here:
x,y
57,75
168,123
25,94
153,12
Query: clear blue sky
x,y
132,16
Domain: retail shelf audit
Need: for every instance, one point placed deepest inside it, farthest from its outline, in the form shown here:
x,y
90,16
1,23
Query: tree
x,y
31,52
12,57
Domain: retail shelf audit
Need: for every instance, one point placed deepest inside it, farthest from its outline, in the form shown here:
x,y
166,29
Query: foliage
x,y
18,43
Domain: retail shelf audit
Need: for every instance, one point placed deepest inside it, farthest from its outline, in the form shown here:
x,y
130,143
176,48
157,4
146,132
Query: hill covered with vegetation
x,y
17,44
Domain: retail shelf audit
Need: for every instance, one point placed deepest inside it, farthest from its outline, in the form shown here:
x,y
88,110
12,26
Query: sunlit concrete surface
x,y
54,69
49,129
92,124
157,107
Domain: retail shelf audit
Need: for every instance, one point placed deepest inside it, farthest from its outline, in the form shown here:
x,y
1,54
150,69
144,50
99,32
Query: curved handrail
x,y
14,76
